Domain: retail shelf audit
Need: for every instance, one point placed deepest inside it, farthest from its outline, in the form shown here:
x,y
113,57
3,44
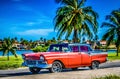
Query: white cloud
x,y
42,32
30,23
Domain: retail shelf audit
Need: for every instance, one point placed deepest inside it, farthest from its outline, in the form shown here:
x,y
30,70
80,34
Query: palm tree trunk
x,y
75,38
8,56
117,51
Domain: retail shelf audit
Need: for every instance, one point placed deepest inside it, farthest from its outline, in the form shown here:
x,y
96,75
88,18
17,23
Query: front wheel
x,y
94,65
34,70
56,67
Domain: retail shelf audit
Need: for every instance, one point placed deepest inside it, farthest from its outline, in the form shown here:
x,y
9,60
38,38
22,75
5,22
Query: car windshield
x,y
58,48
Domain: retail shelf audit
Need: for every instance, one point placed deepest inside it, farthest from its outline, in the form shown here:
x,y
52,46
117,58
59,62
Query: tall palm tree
x,y
74,18
7,47
113,32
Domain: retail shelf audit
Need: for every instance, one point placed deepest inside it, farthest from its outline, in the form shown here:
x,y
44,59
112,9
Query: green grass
x,y
12,63
112,56
109,77
16,62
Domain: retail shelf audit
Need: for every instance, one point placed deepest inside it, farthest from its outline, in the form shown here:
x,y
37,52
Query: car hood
x,y
36,56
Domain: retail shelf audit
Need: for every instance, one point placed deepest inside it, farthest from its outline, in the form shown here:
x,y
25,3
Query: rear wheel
x,y
94,65
56,67
34,70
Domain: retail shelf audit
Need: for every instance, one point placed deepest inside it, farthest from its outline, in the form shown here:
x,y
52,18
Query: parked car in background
x,y
60,56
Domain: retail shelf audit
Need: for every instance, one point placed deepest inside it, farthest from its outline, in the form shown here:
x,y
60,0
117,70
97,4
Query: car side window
x,y
75,48
55,49
65,49
83,48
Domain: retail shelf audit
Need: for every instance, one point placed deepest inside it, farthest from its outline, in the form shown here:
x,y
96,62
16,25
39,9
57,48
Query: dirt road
x,y
82,73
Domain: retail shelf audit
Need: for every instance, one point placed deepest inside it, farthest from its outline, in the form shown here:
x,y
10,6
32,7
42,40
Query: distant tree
x,y
41,39
113,31
29,45
16,38
53,40
21,39
0,39
45,40
74,18
7,47
30,41
96,38
24,42
83,40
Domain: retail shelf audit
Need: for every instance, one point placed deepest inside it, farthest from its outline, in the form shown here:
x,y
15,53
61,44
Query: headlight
x,y
42,58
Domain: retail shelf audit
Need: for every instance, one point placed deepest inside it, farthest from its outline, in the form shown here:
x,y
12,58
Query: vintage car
x,y
60,56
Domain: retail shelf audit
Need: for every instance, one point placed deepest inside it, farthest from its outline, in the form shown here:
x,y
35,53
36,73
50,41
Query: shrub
x,y
40,49
109,77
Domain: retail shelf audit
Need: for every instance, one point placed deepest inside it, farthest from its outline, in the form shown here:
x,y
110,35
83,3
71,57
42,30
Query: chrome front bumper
x,y
36,63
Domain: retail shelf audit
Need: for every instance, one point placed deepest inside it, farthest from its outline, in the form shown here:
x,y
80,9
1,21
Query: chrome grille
x,y
33,62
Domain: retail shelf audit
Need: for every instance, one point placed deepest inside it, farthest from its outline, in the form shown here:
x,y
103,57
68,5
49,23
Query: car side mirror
x,y
89,53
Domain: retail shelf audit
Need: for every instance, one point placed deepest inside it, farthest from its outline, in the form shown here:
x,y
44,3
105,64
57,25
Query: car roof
x,y
79,44
72,44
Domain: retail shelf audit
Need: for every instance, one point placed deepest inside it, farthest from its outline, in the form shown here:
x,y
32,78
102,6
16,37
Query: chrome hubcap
x,y
57,67
95,65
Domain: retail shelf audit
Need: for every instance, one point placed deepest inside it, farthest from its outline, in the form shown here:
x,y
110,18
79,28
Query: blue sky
x,y
32,19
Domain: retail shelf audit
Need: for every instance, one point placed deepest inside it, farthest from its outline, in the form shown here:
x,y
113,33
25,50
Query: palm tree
x,y
7,47
41,39
113,32
74,18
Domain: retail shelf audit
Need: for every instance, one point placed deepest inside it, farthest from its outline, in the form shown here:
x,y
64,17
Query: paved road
x,y
84,73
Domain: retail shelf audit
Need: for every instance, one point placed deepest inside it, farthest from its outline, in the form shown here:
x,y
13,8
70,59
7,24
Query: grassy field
x,y
12,63
16,62
112,56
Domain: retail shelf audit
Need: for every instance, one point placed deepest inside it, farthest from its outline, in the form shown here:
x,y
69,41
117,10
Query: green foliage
x,y
40,49
12,63
106,47
7,46
73,18
109,77
113,33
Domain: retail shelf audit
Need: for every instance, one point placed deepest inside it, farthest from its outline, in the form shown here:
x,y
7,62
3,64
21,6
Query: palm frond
x,y
110,39
81,3
112,19
7,46
108,34
13,51
90,22
89,10
5,51
105,24
72,16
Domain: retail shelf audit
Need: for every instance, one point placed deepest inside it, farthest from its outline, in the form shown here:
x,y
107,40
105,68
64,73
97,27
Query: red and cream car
x,y
60,56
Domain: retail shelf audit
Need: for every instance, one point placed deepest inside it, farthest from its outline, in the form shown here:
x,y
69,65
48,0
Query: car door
x,y
74,57
85,55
